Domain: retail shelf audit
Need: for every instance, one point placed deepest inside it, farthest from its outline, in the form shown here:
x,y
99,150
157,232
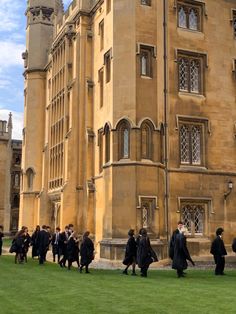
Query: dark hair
x,y
144,232
58,229
219,231
180,223
1,227
86,234
131,232
66,227
44,227
48,227
71,225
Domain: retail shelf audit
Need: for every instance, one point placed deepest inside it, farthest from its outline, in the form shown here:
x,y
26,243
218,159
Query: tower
x,y
41,18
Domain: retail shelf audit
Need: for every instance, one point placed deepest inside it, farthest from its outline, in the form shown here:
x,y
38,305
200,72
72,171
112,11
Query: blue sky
x,y
12,44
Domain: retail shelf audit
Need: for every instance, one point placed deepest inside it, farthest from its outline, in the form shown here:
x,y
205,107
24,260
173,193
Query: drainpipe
x,y
166,151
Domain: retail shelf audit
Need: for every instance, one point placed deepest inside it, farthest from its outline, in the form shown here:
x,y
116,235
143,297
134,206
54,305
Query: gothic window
x,y
30,178
146,2
17,180
124,140
101,33
100,144
193,217
190,74
146,141
101,86
191,143
107,62
107,144
16,201
145,61
234,22
108,6
189,16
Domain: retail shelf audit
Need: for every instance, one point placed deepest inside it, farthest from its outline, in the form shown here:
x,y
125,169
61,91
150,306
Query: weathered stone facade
x,y
10,172
130,119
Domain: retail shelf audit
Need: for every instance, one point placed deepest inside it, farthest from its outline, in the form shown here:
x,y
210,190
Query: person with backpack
x,y
219,252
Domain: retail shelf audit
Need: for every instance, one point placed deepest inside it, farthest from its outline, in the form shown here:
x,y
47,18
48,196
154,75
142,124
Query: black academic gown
x,y
181,253
130,251
72,250
43,242
172,243
86,251
219,252
34,242
1,236
145,253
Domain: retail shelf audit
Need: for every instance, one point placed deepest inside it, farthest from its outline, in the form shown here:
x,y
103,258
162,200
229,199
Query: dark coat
x,y
27,242
181,253
218,247
19,244
172,243
34,243
145,253
43,241
63,239
1,236
86,251
130,251
72,250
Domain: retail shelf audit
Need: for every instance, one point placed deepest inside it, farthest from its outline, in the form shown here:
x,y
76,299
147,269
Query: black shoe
x,y
61,265
134,274
87,272
223,274
80,269
125,272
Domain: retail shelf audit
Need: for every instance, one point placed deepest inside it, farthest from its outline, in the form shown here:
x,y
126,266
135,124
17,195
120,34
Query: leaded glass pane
x,y
126,143
196,145
182,17
193,19
199,219
186,217
183,74
194,75
184,144
234,26
144,63
145,217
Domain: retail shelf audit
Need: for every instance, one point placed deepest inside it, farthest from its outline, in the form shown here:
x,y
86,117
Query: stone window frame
x,y
101,86
107,63
100,146
107,134
101,28
205,129
197,5
207,202
30,174
151,52
192,55
149,140
122,126
233,21
146,2
153,201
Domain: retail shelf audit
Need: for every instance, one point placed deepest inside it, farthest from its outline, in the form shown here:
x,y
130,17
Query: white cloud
x,y
10,53
17,118
9,14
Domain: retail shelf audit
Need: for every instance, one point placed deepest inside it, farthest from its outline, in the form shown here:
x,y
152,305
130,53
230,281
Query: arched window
x,y
146,141
107,143
30,178
17,180
124,139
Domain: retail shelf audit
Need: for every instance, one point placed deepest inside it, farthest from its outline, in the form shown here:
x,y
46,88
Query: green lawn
x,y
31,288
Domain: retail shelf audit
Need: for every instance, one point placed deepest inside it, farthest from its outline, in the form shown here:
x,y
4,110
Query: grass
x,y
32,289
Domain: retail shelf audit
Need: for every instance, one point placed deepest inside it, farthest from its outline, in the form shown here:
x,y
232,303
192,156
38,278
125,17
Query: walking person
x,y
219,252
64,237
172,241
73,250
86,252
27,242
130,253
34,242
181,254
1,236
43,243
145,253
18,246
56,245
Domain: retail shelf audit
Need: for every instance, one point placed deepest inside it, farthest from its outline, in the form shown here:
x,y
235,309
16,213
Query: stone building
x,y
10,171
130,119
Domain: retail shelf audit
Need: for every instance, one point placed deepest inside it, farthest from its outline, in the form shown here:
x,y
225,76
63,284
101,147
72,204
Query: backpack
x,y
234,245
